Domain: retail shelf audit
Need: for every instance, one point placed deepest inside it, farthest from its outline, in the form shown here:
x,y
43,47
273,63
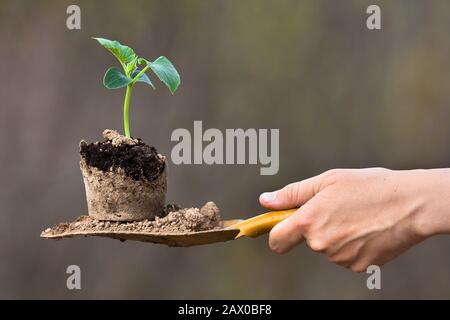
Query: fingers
x,y
290,232
287,234
291,196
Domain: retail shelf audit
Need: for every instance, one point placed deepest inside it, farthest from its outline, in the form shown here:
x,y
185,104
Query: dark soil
x,y
137,159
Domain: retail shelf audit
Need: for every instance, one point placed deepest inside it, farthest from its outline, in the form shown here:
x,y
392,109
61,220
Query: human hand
x,y
361,217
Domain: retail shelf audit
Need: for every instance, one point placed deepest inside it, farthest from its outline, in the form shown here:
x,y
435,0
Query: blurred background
x,y
341,95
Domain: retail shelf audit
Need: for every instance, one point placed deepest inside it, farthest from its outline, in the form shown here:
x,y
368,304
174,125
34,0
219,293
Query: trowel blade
x,y
185,239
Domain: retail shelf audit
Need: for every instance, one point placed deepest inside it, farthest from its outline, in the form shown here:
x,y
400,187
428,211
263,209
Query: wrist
x,y
430,199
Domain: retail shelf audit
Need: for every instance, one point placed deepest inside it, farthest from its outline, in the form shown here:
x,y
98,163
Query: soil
x,y
137,159
175,220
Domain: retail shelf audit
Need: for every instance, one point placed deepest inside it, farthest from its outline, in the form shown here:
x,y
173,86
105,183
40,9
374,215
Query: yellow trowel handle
x,y
261,224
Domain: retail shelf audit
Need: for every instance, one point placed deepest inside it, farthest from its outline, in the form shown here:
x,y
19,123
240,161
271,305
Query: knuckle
x,y
343,260
303,224
358,267
291,191
333,175
343,255
317,245
338,260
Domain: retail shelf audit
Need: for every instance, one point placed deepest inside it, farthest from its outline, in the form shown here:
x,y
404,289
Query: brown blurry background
x,y
342,96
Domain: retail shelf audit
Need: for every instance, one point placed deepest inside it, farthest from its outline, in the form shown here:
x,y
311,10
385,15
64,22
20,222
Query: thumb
x,y
291,196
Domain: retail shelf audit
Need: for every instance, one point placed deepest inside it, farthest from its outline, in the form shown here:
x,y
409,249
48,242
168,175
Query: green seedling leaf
x,y
123,53
115,79
143,78
166,72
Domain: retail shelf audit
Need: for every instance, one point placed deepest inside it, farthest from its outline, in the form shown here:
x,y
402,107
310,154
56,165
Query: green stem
x,y
139,74
126,103
126,108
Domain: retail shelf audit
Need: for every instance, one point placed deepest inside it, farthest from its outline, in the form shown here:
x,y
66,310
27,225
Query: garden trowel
x,y
231,229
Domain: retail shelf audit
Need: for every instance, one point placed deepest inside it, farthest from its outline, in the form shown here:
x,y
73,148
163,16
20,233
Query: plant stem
x,y
126,103
126,107
139,74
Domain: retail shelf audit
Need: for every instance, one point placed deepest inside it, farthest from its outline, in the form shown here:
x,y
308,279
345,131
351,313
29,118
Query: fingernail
x,y
268,196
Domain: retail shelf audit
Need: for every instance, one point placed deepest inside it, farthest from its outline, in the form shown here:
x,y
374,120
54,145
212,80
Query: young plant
x,y
134,70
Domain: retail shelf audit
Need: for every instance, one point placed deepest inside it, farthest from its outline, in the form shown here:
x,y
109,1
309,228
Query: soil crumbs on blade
x,y
176,220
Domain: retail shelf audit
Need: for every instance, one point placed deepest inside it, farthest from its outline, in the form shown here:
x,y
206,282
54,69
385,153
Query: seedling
x,y
134,70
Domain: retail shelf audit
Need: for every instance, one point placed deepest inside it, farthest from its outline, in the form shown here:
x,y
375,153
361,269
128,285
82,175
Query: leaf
x,y
166,72
115,79
123,53
143,78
